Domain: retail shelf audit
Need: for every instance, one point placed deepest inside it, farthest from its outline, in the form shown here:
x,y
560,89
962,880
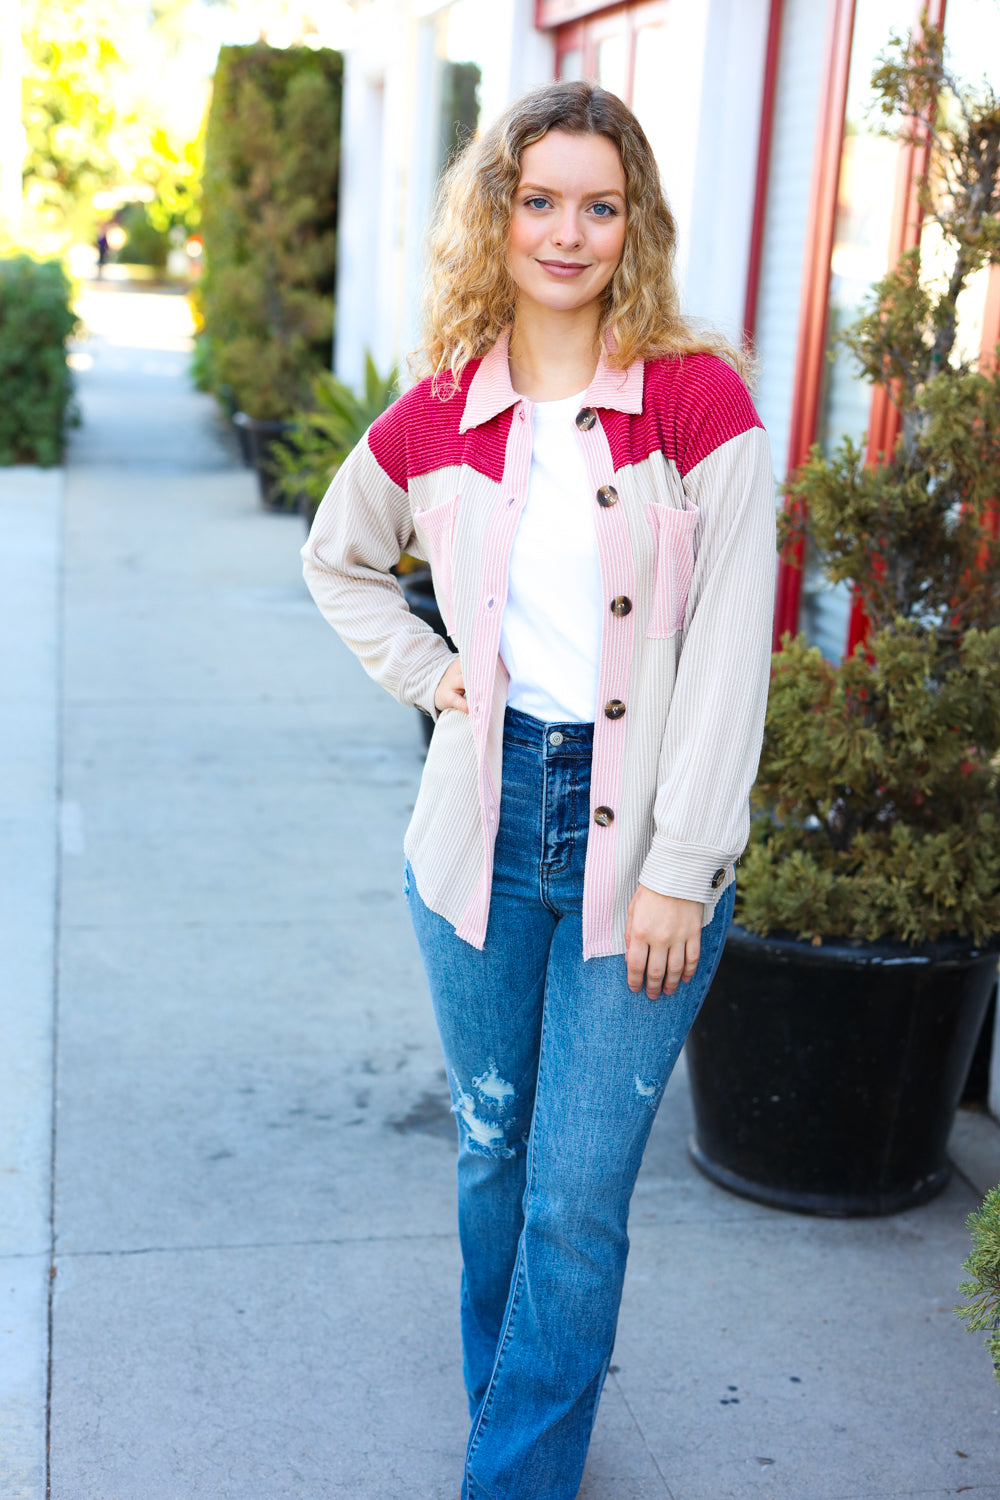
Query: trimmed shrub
x,y
269,221
36,319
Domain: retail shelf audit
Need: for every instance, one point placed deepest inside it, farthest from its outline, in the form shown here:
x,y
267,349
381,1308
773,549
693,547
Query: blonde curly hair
x,y
471,294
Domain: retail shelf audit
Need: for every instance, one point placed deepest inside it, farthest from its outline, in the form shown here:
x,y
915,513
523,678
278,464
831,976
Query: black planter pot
x,y
418,590
258,436
825,1080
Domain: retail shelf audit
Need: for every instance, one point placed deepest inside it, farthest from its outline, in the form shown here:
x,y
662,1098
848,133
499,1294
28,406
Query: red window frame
x,y
600,23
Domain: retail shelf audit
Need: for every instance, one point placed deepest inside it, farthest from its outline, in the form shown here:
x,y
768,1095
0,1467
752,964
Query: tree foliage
x,y
71,120
95,117
878,801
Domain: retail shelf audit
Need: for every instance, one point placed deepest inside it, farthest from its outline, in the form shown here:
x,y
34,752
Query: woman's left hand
x,y
662,941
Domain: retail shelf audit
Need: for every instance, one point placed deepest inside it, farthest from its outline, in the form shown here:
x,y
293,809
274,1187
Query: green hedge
x,y
272,155
36,319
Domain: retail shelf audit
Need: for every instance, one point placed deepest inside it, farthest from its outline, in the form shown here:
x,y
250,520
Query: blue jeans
x,y
556,1070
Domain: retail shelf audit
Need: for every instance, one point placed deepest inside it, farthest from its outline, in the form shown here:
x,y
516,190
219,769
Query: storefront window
x,y
865,201
612,63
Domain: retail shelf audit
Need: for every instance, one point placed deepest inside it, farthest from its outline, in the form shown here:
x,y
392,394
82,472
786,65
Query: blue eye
x,y
536,203
604,210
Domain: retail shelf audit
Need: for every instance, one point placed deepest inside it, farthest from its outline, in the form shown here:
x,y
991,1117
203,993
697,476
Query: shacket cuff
x,y
424,698
688,871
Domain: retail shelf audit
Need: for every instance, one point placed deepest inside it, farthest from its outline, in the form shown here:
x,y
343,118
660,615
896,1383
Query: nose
x,y
566,232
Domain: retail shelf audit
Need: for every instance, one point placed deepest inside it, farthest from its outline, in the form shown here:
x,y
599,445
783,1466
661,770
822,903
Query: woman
x,y
592,488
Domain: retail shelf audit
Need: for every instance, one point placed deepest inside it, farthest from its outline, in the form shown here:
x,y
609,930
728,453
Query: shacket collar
x,y
490,390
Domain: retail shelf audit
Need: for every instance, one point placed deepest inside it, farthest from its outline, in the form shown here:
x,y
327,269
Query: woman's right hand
x,y
450,692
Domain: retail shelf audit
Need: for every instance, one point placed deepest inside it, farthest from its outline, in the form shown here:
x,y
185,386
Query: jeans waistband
x,y
547,739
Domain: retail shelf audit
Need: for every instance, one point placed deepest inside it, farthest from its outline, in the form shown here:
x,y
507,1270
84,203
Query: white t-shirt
x,y
550,639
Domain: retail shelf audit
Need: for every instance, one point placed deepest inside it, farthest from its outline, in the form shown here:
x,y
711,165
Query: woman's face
x,y
567,227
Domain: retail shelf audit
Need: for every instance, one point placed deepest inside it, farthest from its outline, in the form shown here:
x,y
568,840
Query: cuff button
x,y
717,879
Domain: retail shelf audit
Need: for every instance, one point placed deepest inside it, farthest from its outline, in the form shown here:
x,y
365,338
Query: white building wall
x,y
389,153
701,111
722,198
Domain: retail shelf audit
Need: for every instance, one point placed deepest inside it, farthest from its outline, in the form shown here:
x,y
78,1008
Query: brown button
x,y
604,816
585,418
621,605
615,709
607,495
717,879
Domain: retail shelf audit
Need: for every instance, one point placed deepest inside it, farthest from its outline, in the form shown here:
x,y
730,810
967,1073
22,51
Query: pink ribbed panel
x,y
482,659
618,577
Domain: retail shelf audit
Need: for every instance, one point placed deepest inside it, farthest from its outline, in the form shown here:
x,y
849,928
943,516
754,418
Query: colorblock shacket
x,y
684,511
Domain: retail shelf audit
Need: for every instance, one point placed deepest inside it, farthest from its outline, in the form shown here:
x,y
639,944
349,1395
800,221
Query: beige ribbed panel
x,y
715,725
362,526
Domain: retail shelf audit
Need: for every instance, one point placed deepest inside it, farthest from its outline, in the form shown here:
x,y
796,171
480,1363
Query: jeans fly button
x,y
555,738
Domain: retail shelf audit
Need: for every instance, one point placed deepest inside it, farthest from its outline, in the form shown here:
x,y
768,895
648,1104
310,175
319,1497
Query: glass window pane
x,y
860,255
972,37
612,58
666,99
864,218
571,65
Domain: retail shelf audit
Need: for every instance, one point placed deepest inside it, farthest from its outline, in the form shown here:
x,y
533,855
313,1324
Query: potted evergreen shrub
x,y
981,1314
830,1056
269,223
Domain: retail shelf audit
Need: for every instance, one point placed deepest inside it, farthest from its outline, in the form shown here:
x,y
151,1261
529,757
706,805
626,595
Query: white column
x,y
714,262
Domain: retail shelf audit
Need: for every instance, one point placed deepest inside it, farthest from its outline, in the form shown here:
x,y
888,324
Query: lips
x,y
564,269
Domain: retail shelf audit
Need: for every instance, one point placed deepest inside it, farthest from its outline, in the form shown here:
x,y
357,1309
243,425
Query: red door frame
x,y
820,222
772,52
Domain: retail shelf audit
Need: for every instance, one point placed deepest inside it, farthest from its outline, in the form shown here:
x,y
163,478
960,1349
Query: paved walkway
x,y
249,1242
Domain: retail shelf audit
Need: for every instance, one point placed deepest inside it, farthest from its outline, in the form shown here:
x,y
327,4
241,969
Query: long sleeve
x,y
362,526
711,745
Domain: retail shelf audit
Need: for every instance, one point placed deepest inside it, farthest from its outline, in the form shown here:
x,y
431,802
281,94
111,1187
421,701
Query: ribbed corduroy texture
x,y
690,543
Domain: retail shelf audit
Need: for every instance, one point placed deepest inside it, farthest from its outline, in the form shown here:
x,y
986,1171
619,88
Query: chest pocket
x,y
436,528
673,532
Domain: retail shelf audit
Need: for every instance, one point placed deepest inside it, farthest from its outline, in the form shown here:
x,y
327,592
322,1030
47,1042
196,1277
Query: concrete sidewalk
x,y
252,1223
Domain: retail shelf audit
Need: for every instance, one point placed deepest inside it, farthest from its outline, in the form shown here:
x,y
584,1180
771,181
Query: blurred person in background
x,y
592,487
